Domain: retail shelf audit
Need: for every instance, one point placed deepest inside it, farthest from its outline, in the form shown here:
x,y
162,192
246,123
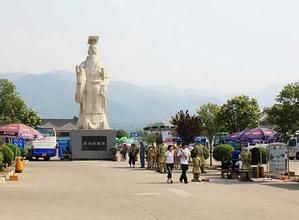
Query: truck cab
x,y
294,148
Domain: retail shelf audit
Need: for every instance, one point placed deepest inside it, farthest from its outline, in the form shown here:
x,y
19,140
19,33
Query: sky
x,y
225,46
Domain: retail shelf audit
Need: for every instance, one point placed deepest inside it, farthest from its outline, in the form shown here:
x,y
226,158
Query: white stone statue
x,y
91,90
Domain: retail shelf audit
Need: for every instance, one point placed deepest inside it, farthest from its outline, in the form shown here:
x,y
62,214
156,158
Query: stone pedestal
x,y
92,144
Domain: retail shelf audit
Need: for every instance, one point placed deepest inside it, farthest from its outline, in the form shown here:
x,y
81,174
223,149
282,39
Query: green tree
x,y
121,133
13,109
150,138
187,126
208,114
285,113
30,117
238,114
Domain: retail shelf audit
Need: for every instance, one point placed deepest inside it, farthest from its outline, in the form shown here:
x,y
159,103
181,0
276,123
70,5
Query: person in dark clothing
x,y
132,155
142,154
225,166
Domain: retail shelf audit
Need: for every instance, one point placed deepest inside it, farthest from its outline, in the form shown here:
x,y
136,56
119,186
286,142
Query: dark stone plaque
x,y
94,143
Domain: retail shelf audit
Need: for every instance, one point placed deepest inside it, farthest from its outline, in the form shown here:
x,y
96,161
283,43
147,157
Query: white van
x,y
294,148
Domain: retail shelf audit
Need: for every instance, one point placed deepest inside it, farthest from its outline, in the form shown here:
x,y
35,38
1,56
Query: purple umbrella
x,y
259,135
235,137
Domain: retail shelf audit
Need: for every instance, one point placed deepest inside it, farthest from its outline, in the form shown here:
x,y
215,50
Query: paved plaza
x,y
111,190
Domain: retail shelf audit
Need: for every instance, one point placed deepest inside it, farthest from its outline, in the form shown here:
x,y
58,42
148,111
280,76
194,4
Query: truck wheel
x,y
47,158
291,158
297,156
29,158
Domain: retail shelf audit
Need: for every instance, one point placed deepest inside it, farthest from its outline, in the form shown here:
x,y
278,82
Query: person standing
x,y
132,155
142,154
169,154
184,154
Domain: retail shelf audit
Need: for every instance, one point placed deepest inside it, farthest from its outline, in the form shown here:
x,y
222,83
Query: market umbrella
x,y
234,137
259,135
20,130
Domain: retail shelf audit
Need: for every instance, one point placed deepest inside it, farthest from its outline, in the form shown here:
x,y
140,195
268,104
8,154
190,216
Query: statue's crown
x,y
93,40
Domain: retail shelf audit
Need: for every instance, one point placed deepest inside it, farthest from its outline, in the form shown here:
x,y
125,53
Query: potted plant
x,y
114,153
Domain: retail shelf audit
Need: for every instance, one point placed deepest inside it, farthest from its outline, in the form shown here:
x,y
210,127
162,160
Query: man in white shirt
x,y
184,154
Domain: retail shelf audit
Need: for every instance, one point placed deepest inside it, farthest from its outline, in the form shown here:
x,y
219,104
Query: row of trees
x,y
13,109
240,113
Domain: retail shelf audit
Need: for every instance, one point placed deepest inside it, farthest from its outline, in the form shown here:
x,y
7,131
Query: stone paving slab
x,y
111,190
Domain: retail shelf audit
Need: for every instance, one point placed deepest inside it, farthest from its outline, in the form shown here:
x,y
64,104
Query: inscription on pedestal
x,y
94,143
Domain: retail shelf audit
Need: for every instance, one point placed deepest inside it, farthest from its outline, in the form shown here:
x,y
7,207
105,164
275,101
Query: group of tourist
x,y
164,158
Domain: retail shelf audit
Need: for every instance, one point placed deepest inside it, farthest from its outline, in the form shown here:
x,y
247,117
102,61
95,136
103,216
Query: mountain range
x,y
130,106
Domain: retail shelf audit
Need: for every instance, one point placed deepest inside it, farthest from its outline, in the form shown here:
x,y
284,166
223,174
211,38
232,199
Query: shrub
x,y
24,152
114,151
1,157
8,155
222,151
256,156
16,151
1,160
206,153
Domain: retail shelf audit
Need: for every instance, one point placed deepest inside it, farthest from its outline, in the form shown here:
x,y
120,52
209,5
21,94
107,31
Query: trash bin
x,y
19,164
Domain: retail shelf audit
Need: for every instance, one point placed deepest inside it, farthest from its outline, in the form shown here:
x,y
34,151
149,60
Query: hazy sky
x,y
222,45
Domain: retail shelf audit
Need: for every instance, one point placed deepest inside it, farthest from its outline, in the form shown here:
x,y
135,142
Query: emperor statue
x,y
91,90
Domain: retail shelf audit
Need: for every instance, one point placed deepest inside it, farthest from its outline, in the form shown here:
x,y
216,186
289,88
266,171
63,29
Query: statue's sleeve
x,y
80,84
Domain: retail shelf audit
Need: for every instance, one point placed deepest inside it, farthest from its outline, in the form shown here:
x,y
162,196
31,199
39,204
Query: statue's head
x,y
92,50
92,41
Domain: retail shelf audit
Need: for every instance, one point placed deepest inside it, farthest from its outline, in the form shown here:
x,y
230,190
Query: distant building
x,y
62,126
158,127
164,129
